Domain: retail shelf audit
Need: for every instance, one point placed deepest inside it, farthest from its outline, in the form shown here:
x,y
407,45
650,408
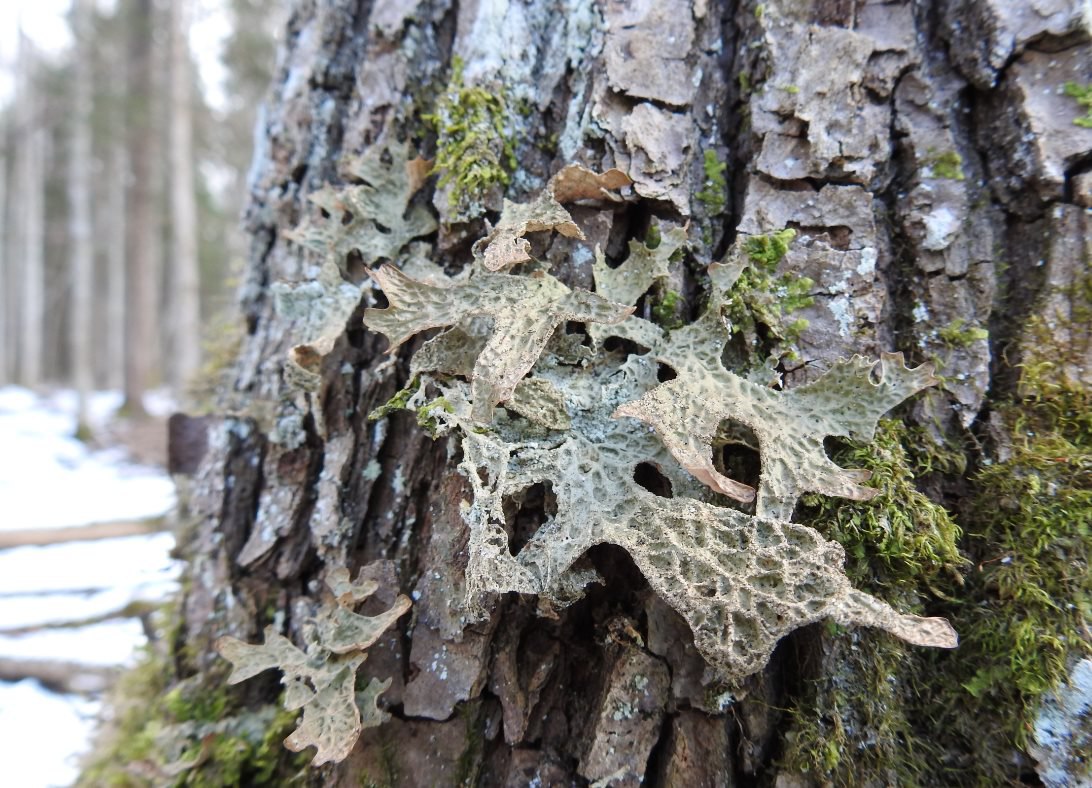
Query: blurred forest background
x,y
123,168
126,133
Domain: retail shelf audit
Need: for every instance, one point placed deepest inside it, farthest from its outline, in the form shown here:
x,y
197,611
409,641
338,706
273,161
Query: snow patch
x,y
43,734
48,479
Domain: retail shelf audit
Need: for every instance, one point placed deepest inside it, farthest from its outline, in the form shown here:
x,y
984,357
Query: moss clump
x,y
852,728
857,725
668,311
947,165
760,301
766,251
956,334
900,541
1083,96
476,145
714,192
188,734
398,402
220,347
426,417
1031,523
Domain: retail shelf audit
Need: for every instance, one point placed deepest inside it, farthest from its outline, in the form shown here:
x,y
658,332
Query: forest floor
x,y
83,562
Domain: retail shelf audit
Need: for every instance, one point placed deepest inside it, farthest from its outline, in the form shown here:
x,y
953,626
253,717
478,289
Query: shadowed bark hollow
x,y
924,153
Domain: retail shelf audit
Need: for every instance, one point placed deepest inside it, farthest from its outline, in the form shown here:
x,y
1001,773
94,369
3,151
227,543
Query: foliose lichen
x,y
322,680
529,413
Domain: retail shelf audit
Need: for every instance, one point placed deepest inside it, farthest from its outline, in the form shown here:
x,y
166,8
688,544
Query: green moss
x,y
188,734
1083,96
899,541
852,728
476,145
653,237
1032,527
469,764
766,251
427,420
745,87
668,311
760,303
220,347
714,193
947,165
397,402
792,90
856,726
956,334
1022,609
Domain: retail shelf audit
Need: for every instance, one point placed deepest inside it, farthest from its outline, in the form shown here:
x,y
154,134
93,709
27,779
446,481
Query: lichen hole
x,y
525,512
648,476
735,452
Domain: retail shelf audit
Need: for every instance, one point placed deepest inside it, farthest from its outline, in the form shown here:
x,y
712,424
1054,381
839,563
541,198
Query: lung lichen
x,y
322,680
568,418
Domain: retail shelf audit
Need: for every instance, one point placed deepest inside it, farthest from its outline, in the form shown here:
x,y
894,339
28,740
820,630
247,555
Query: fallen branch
x,y
80,533
59,675
138,608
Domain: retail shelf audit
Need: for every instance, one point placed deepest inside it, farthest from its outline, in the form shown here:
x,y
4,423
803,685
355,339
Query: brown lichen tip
x,y
506,246
859,608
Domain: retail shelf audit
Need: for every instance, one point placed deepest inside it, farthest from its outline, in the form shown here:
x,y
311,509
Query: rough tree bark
x,y
924,152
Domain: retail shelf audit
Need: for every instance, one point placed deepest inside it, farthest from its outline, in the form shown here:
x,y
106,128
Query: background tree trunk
x,y
926,155
185,285
7,301
142,230
31,247
114,221
82,248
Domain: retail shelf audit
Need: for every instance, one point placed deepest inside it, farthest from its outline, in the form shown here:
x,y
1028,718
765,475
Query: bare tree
x,y
7,302
115,223
142,330
184,280
31,139
81,244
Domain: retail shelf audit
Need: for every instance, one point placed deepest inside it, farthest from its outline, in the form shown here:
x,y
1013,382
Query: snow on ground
x,y
81,566
48,479
105,644
39,729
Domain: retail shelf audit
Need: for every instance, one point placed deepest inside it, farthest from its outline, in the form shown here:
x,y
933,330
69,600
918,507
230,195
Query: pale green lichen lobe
x,y
322,681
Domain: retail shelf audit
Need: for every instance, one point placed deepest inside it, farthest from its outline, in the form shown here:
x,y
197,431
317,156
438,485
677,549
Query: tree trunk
x,y
184,284
82,250
926,157
31,187
141,226
7,326
115,224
